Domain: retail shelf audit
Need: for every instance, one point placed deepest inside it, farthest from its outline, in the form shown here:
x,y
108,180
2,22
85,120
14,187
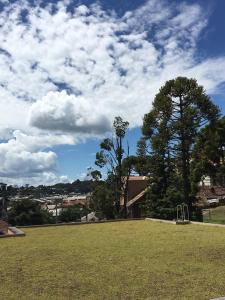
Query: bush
x,y
28,212
197,214
71,214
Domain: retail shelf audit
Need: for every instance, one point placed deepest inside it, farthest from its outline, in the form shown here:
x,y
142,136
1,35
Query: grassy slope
x,y
123,260
215,215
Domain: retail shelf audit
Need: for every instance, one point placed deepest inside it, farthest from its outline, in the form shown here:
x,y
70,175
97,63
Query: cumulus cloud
x,y
41,141
65,74
45,178
114,63
22,160
58,111
17,161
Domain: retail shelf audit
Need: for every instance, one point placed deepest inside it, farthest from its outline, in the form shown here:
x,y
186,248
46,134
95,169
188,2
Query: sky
x,y
67,68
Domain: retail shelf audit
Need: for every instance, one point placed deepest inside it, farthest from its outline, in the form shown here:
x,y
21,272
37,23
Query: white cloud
x,y
106,65
58,111
24,158
46,178
35,142
17,161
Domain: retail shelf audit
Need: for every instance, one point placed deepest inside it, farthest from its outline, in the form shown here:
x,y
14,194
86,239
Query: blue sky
x,y
69,67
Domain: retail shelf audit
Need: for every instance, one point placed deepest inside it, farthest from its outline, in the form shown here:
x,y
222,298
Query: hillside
x,y
78,186
214,215
121,260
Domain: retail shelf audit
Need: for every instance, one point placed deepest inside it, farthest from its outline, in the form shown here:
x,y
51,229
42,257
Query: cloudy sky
x,y
67,68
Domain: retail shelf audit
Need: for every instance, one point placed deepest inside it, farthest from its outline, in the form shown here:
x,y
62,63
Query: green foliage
x,y
77,186
163,195
96,175
28,212
209,153
170,130
117,161
120,127
142,160
71,214
102,199
197,214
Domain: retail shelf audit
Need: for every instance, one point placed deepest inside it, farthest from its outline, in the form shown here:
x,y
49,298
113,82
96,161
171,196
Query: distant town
x,y
128,96
52,199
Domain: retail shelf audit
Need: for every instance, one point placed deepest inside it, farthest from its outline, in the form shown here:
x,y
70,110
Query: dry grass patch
x,y
123,260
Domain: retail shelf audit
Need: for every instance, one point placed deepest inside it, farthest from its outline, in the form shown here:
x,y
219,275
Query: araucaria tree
x,y
179,111
111,156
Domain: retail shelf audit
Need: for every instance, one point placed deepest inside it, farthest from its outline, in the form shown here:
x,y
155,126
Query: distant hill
x,y
78,186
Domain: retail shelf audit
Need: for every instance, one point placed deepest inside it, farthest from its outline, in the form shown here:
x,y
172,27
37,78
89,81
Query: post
x,y
3,212
56,212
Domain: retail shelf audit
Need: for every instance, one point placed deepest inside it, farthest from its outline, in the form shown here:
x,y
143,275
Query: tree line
x,y
41,191
183,140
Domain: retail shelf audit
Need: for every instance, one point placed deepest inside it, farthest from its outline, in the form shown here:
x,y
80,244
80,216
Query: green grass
x,y
122,260
214,215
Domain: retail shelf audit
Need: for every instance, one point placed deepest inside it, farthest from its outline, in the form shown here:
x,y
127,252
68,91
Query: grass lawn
x,y
122,260
214,215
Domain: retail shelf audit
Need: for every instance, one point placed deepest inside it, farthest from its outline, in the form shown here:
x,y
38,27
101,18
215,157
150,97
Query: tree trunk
x,y
120,181
56,213
185,161
126,195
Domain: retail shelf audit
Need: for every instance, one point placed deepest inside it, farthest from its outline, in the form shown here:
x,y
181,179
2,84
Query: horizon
x,y
69,67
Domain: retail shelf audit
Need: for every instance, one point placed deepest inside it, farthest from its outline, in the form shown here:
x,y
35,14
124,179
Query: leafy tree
x,y
70,214
102,199
179,111
209,154
164,191
28,212
142,160
111,156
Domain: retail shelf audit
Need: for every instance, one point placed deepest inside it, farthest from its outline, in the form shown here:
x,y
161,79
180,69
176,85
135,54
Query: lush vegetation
x,y
102,199
182,141
209,153
170,130
115,157
72,213
28,212
122,260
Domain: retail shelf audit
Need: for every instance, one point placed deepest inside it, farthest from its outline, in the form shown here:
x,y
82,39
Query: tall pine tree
x,y
179,111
